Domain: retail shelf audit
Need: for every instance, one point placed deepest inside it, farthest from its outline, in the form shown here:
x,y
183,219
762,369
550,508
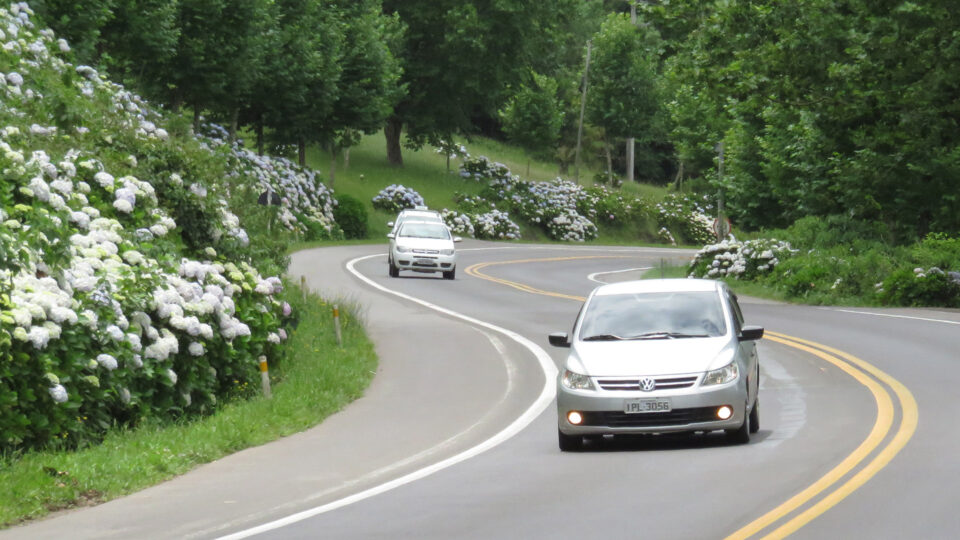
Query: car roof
x,y
414,213
658,285
421,222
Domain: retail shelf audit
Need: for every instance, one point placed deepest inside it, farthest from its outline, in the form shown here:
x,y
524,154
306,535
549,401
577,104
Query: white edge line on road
x,y
546,396
593,276
925,319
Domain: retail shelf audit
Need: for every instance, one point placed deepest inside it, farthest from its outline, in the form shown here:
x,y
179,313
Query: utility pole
x,y
631,142
583,104
721,220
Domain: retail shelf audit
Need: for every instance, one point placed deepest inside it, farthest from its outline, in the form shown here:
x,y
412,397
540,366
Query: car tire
x,y
569,443
741,435
394,271
755,416
451,274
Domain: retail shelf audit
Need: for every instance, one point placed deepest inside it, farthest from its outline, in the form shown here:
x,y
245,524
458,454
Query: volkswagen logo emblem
x,y
647,384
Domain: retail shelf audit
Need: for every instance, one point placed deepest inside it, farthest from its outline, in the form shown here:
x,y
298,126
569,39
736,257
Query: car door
x,y
747,349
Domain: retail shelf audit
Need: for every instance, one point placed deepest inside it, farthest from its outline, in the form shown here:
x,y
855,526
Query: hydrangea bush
x,y
307,204
396,197
460,224
564,210
740,260
117,298
496,225
686,218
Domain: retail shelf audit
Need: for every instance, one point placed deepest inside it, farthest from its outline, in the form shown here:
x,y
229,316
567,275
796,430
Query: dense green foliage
x,y
825,107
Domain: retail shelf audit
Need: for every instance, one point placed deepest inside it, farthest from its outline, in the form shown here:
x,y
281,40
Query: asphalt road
x,y
456,437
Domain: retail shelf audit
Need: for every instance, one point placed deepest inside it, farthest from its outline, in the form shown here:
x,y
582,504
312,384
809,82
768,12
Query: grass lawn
x,y
315,379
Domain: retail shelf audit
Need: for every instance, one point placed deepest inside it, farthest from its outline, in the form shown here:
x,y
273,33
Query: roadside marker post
x,y
336,325
303,287
265,377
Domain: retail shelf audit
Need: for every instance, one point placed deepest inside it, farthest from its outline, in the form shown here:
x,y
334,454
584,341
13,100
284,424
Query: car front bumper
x,y
417,262
691,410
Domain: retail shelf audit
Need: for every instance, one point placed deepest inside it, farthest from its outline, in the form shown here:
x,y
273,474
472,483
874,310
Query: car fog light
x,y
574,418
724,412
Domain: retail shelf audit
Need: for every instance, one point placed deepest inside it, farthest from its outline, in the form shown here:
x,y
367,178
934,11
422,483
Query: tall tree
x,y
458,57
532,116
216,59
303,69
368,86
624,96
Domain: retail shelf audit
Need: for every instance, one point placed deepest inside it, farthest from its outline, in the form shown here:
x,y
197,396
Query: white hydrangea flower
x,y
107,361
58,393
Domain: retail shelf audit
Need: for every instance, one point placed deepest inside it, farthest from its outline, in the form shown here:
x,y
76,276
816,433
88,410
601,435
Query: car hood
x,y
648,357
424,243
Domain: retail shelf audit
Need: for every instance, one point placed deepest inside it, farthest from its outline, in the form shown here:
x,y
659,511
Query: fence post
x,y
265,377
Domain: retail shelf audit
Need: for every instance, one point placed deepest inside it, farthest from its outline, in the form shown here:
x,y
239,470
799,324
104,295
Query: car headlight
x,y
402,249
576,381
727,373
446,252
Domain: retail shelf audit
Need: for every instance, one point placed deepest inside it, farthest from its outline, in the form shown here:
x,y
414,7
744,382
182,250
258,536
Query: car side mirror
x,y
560,339
457,239
391,235
389,224
750,333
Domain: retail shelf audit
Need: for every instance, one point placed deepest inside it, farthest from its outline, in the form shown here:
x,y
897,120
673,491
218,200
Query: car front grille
x,y
426,251
676,417
662,383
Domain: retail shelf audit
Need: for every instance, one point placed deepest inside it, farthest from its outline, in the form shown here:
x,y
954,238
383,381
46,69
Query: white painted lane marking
x,y
891,315
593,276
545,398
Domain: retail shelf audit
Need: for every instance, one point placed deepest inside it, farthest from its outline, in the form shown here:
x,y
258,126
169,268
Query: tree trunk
x,y
346,158
333,164
234,123
606,150
631,147
528,168
392,132
301,152
196,118
260,137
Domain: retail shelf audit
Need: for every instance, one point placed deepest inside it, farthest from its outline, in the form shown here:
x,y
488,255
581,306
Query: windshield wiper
x,y
664,335
603,337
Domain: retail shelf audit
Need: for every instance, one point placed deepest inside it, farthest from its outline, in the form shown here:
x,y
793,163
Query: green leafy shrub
x,y
921,287
351,216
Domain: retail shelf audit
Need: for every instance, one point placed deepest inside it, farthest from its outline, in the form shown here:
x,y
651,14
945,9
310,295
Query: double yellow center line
x,y
872,455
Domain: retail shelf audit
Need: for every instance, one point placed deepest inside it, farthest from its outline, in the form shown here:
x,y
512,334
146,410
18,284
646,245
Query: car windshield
x,y
425,230
653,315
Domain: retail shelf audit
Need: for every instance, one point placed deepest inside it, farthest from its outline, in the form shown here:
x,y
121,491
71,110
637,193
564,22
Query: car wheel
x,y
755,416
451,274
741,435
569,443
394,271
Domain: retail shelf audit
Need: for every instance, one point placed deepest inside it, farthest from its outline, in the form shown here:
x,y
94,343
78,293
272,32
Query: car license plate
x,y
632,406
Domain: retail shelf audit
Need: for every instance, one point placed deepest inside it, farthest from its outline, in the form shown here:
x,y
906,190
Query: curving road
x,y
456,437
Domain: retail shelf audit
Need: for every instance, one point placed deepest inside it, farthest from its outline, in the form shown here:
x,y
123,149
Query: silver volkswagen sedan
x,y
658,356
